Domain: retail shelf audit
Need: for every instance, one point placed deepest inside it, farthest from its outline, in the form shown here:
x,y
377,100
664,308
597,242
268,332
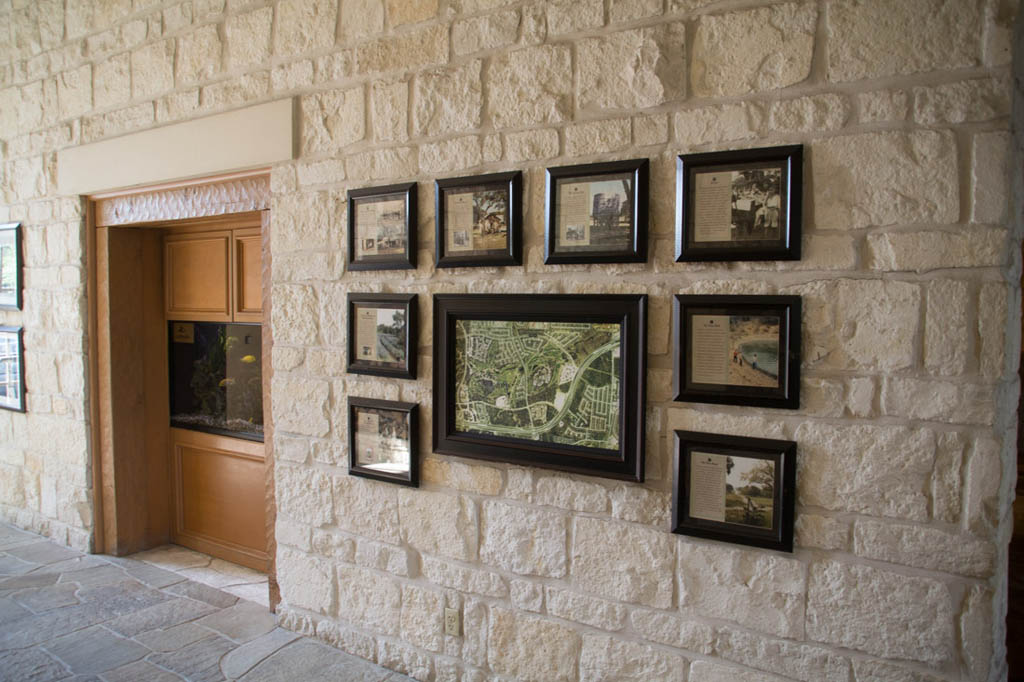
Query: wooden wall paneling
x,y
197,276
247,278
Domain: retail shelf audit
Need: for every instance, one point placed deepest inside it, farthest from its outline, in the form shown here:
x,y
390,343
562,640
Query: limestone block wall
x,y
909,281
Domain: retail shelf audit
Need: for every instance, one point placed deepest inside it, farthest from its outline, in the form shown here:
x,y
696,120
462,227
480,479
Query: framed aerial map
x,y
10,266
597,213
737,350
382,227
554,381
734,489
479,220
382,335
382,440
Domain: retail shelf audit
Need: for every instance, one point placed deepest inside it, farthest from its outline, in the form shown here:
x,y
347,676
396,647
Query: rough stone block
x,y
463,578
422,619
884,106
981,99
111,82
461,152
389,111
922,547
917,183
990,177
809,114
932,250
629,10
843,610
198,55
992,314
532,145
569,16
410,11
946,401
984,470
790,659
529,86
870,670
487,32
391,164
306,581
975,629
714,422
383,557
300,406
592,137
414,49
248,37
853,468
945,329
368,508
405,660
709,671
466,477
333,119
875,40
650,130
303,494
606,659
235,92
448,100
822,532
531,649
722,123
293,76
74,91
570,493
622,561
523,540
583,609
369,599
641,505
527,595
437,523
304,25
632,69
152,69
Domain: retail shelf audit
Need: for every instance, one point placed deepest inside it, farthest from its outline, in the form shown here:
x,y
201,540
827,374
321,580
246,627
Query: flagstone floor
x,y
164,615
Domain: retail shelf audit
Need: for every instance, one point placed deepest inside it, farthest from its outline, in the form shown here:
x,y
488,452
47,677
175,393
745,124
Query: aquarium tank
x,y
216,378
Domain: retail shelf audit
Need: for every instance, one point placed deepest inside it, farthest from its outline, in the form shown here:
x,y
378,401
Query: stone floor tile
x,y
11,611
173,638
31,665
97,575
309,660
173,558
247,656
258,593
205,593
43,552
52,624
95,650
242,622
19,582
13,537
140,671
198,662
12,565
160,616
43,599
151,575
78,563
124,597
399,677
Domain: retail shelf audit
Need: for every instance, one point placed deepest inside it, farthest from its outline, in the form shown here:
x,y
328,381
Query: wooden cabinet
x,y
248,265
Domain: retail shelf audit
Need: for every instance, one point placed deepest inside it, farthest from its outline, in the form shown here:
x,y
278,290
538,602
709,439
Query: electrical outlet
x,y
452,622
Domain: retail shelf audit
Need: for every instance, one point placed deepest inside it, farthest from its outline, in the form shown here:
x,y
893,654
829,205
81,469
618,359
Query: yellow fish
x,y
226,382
249,359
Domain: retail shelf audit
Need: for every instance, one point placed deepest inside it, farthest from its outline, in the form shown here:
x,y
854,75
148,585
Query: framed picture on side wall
x,y
10,266
12,369
383,440
479,220
382,335
382,227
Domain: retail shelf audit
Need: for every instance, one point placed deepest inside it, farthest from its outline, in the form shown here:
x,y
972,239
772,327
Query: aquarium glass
x,y
216,378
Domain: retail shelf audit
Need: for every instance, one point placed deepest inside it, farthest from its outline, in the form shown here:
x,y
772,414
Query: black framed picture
x,y
382,227
383,440
382,335
739,205
479,220
10,266
734,489
737,350
553,381
12,369
597,213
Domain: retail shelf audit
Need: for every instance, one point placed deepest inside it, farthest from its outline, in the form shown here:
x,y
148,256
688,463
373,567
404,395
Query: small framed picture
x,y
382,227
734,489
597,213
739,205
479,220
737,350
382,335
10,266
383,440
12,369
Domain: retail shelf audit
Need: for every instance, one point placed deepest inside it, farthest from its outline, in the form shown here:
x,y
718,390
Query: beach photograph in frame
x,y
597,213
737,350
12,369
382,335
382,227
383,440
734,489
739,205
479,220
554,381
10,266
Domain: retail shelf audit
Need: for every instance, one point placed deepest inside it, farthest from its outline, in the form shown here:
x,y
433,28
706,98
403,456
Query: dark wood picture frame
x,y
409,339
690,384
778,534
638,171
627,312
511,183
746,216
19,362
402,192
410,413
11,260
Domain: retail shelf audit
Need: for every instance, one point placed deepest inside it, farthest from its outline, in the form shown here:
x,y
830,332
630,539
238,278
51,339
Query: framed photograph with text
x,y
10,266
737,350
479,220
739,205
382,335
553,381
382,227
12,369
383,440
734,489
597,213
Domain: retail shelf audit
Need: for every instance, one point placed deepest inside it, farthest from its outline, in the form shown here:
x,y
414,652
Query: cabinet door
x,y
248,253
197,272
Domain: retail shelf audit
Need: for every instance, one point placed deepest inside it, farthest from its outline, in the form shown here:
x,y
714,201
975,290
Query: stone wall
x,y
909,282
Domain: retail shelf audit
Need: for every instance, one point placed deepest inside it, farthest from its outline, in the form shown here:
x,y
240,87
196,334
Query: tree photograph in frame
x,y
383,440
479,220
382,334
555,381
382,227
597,213
10,266
738,350
739,205
734,489
12,369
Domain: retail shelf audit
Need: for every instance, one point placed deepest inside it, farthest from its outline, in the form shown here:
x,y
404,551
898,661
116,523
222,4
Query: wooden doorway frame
x,y
213,199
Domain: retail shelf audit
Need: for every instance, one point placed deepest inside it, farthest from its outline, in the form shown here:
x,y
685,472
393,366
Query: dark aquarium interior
x,y
216,378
